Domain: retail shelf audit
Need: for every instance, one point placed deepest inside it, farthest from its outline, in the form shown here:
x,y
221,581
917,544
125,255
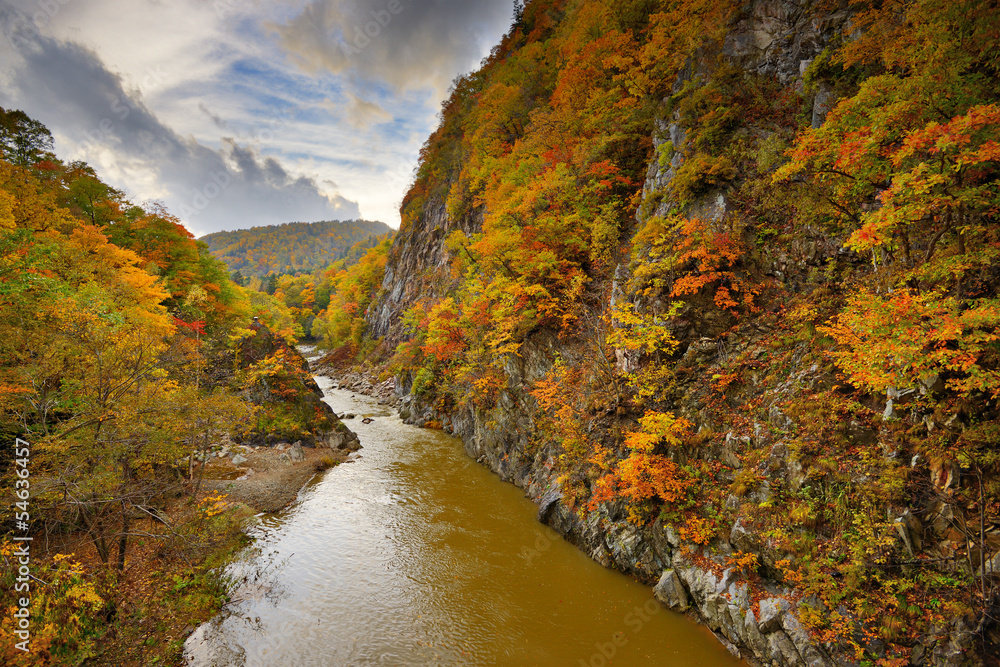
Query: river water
x,y
413,554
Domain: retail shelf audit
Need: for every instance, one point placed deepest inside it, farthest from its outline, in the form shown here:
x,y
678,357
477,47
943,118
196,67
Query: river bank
x,y
350,379
269,479
415,554
711,588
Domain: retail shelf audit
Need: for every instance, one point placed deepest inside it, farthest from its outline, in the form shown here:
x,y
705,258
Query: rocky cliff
x,y
418,268
778,440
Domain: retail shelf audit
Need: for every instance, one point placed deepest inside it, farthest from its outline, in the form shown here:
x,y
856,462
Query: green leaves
x,y
23,140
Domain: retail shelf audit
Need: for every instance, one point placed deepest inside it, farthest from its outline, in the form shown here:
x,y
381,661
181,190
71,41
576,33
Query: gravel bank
x,y
267,481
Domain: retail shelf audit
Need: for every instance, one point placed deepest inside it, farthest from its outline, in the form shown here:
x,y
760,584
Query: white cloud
x,y
69,88
363,114
160,96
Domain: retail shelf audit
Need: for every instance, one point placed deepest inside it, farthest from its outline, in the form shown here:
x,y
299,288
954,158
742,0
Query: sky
x,y
240,113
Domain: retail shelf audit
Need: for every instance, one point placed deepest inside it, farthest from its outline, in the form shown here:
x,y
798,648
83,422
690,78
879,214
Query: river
x,y
413,554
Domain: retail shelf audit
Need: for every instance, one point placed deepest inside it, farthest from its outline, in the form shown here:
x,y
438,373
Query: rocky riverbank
x,y
269,479
359,381
830,499
267,469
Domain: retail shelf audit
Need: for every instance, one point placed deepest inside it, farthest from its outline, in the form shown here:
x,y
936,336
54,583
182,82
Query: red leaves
x,y
936,138
602,168
853,148
445,338
869,236
194,327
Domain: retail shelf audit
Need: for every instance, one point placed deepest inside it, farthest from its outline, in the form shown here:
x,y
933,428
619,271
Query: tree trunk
x,y
123,540
97,537
204,463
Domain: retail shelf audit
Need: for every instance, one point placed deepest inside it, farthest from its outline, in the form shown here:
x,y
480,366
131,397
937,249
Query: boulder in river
x,y
343,438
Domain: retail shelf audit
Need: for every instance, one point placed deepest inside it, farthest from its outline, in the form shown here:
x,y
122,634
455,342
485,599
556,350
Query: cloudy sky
x,y
237,113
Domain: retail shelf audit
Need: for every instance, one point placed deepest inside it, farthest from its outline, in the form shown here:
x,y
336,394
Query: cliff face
x,y
757,391
418,269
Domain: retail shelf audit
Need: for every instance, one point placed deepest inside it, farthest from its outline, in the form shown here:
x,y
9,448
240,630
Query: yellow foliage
x,y
7,204
641,332
697,529
213,504
657,428
899,340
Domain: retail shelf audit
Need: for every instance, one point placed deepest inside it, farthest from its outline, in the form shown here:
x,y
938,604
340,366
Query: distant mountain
x,y
292,248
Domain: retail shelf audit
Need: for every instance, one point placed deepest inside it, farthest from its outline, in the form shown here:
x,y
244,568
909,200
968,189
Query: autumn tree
x,y
907,168
349,292
903,172
90,371
91,385
23,139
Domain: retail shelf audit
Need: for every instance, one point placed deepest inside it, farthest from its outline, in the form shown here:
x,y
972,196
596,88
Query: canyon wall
x,y
749,430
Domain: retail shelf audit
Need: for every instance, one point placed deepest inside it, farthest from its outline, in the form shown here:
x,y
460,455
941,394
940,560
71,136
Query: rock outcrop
x,y
418,269
290,403
761,622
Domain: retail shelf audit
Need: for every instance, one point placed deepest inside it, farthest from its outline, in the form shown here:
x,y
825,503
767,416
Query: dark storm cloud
x,y
405,43
67,87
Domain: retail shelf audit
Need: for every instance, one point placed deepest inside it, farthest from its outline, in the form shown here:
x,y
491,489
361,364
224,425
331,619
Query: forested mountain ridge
x,y
717,284
292,248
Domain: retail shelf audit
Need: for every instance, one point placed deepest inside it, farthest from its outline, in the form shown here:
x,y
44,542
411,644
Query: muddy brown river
x,y
413,554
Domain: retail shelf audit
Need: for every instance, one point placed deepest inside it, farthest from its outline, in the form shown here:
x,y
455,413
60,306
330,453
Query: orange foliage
x,y
644,475
907,338
698,256
697,529
445,340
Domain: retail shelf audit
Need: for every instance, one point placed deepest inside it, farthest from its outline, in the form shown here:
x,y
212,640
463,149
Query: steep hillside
x,y
716,284
293,248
